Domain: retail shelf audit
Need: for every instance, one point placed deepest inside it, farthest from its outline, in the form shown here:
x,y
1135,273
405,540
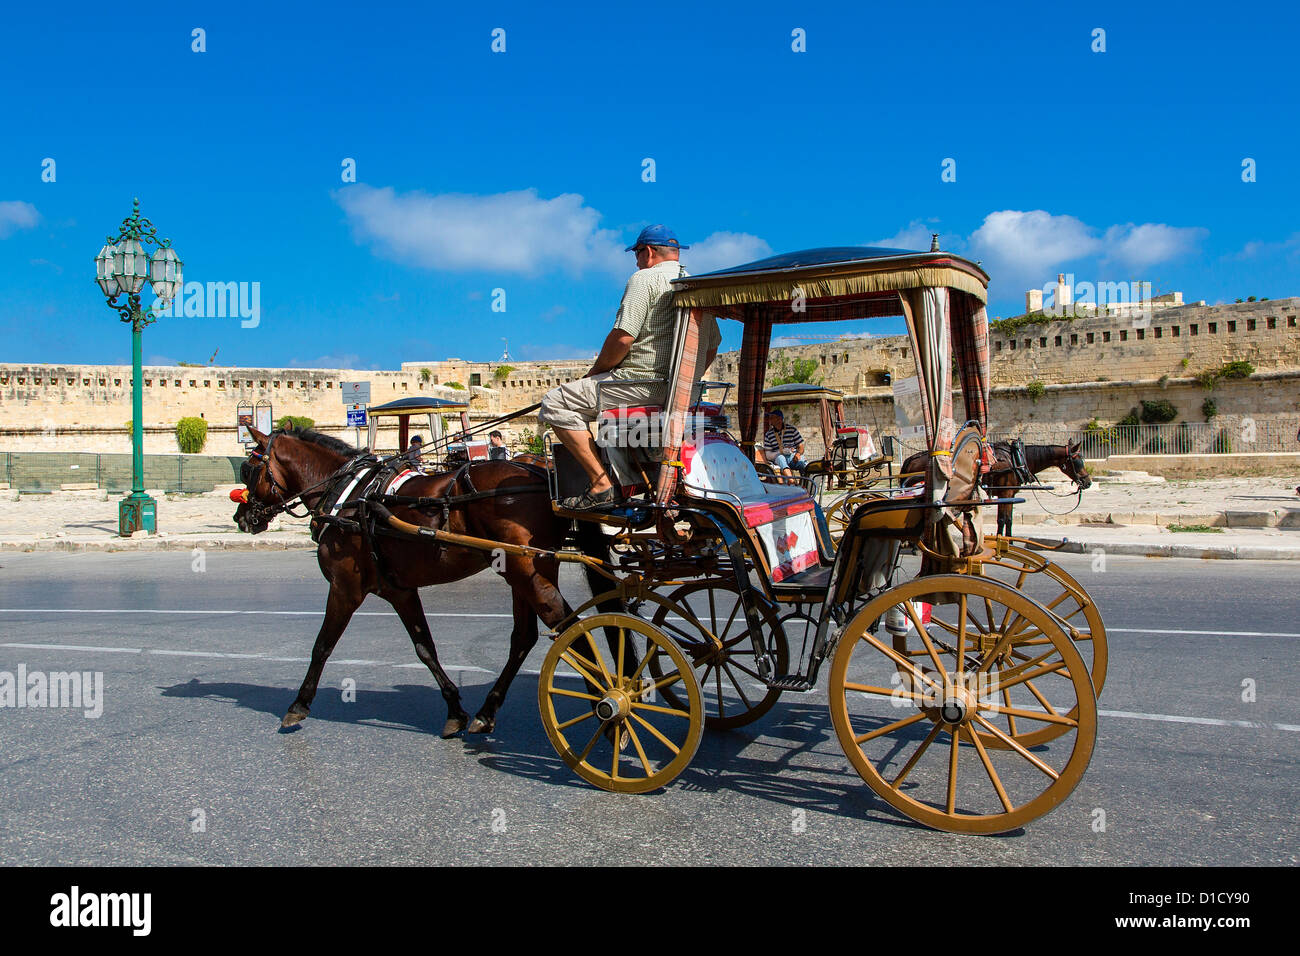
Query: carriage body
x,y
699,523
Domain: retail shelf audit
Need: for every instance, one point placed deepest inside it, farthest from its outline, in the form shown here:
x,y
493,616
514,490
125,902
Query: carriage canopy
x,y
940,296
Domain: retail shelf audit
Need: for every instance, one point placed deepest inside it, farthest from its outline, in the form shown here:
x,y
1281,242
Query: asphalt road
x,y
186,764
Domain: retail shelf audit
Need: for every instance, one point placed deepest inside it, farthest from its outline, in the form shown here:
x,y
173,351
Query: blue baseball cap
x,y
657,235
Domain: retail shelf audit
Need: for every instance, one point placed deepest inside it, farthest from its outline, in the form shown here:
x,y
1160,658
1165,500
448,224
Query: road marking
x,y
75,647
1151,630
149,610
481,614
571,675
1209,721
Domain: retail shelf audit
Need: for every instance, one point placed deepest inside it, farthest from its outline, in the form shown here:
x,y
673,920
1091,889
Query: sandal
x,y
589,500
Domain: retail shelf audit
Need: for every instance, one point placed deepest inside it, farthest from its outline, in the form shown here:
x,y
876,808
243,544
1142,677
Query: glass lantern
x,y
165,274
130,266
104,270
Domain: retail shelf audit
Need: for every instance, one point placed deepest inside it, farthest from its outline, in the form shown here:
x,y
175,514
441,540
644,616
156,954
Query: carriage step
x,y
795,682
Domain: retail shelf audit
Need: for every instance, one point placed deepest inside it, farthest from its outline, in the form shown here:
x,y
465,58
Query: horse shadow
x,y
414,708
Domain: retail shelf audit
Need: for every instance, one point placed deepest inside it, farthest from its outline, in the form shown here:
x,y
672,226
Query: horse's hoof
x,y
292,719
452,727
481,726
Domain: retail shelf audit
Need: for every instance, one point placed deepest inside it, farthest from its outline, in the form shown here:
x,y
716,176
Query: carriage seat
x,y
717,465
699,416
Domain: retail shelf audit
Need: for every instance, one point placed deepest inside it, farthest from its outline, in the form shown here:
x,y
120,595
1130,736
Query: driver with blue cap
x,y
637,348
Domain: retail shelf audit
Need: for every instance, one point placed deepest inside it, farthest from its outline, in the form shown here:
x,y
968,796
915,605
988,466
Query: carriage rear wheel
x,y
891,707
608,717
840,511
722,653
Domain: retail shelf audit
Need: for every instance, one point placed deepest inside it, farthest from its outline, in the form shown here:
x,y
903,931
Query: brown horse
x,y
301,465
1002,481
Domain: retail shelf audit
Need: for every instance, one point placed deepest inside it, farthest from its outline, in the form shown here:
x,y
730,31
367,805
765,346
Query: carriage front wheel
x,y
915,726
608,715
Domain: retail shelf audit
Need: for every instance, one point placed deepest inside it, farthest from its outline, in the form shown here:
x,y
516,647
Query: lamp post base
x,y
137,512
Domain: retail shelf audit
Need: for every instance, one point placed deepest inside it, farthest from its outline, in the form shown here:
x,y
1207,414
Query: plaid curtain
x,y
828,428
754,349
969,325
927,327
676,403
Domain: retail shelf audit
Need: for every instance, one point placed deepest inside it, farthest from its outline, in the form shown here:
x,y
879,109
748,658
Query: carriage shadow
x,y
780,758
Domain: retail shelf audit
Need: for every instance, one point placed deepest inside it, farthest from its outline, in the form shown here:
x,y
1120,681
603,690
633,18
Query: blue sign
x,y
357,416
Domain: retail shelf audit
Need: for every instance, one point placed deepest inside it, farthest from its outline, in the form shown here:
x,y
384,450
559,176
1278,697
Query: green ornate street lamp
x,y
121,269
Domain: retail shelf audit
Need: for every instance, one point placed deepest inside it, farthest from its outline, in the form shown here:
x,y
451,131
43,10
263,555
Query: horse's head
x,y
289,467
260,497
1073,466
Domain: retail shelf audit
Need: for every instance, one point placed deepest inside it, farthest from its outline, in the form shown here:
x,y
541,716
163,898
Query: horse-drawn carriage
x,y
851,458
961,700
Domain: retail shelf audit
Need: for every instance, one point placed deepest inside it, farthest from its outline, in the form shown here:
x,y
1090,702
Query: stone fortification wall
x,y
86,407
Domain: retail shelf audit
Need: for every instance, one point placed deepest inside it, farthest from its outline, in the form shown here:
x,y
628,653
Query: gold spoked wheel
x,y
1058,591
596,689
721,652
840,511
917,727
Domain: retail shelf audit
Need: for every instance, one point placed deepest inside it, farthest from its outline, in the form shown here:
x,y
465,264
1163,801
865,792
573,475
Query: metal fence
x,y
42,471
1243,436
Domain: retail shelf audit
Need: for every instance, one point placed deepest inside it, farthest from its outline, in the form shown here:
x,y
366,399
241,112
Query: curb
x,y
242,542
1154,550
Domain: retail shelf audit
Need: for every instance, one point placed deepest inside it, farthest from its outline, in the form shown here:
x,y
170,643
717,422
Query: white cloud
x,y
1026,249
1141,246
1020,247
721,250
15,215
345,360
915,235
783,341
1261,248
517,232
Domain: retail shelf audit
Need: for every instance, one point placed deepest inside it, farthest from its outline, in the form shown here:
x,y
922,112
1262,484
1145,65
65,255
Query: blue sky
x,y
522,170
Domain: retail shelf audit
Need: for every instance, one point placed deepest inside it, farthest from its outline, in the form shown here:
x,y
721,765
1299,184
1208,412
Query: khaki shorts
x,y
572,406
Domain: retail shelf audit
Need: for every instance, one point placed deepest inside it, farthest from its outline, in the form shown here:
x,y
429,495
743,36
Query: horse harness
x,y
367,481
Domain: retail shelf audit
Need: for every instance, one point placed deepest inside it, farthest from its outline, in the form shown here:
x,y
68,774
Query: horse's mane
x,y
328,442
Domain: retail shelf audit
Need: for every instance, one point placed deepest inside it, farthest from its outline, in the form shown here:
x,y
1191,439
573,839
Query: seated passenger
x,y
783,445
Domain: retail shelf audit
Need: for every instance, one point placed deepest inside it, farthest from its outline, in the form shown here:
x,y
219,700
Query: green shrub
x,y
534,444
502,372
1164,381
1035,390
1129,420
456,385
800,371
1186,362
1195,528
1207,379
1238,369
296,421
1209,408
1250,298
426,374
1158,412
191,435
